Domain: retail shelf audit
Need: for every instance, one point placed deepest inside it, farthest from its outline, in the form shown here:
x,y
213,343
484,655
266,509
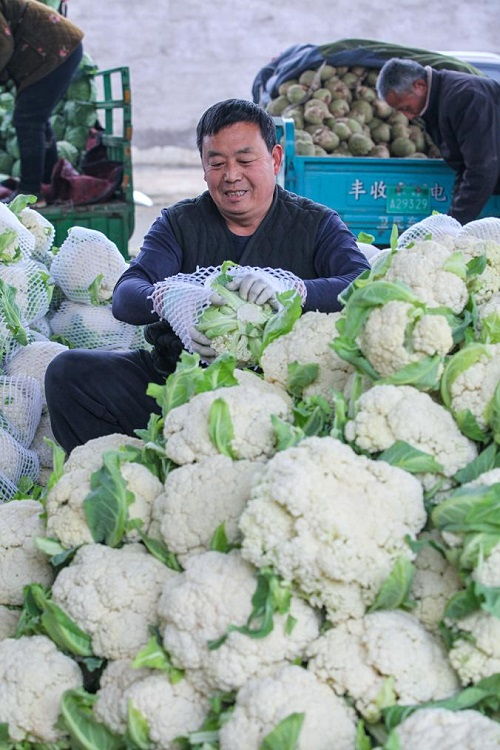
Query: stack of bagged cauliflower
x,y
50,299
305,557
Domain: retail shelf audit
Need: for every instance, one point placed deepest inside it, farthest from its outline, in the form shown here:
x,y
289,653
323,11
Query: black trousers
x,y
91,393
32,109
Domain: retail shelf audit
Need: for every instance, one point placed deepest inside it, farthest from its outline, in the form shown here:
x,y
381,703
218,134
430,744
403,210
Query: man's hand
x,y
254,288
201,345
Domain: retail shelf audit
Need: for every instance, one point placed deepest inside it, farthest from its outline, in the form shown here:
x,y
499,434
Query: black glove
x,y
167,346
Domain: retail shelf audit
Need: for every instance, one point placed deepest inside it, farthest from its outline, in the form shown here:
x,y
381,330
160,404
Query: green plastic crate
x,y
114,218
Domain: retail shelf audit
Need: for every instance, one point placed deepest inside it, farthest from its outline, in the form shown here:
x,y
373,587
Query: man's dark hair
x,y
231,111
398,75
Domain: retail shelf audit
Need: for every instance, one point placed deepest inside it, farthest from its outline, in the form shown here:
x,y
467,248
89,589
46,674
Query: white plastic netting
x,y
20,406
437,227
42,327
483,229
40,446
87,266
33,286
91,327
7,488
12,339
181,299
34,359
42,230
16,241
16,461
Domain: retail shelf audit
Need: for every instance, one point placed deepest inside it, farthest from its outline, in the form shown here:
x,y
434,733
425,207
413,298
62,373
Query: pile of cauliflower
x,y
300,557
50,299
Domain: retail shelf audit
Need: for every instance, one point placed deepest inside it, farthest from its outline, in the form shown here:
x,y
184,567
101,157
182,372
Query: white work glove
x,y
201,344
255,288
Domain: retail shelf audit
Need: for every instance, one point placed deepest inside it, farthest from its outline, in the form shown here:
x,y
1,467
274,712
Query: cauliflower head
x,y
390,341
20,406
308,342
386,649
65,511
263,702
33,677
487,283
251,405
112,594
21,562
170,710
435,581
387,413
422,267
448,730
479,656
331,521
213,592
16,461
42,230
198,497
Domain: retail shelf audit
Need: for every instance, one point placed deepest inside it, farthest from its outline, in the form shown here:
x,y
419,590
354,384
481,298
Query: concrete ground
x,y
165,178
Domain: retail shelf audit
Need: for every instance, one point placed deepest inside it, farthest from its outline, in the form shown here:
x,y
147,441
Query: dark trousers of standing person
x,y
32,110
91,393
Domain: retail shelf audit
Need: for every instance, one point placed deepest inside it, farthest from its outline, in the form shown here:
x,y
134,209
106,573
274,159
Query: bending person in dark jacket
x,y
40,51
245,217
461,113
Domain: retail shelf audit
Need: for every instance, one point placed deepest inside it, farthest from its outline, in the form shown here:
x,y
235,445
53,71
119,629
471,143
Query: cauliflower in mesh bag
x,y
87,266
20,406
16,241
91,327
437,227
16,461
42,230
33,286
234,325
34,359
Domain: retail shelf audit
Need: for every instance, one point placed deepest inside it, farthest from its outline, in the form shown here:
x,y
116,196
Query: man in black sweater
x,y
461,113
243,216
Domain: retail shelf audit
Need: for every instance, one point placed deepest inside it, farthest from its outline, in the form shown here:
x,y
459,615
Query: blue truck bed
x,y
371,194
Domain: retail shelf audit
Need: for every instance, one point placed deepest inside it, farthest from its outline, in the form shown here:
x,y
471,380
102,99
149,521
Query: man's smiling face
x,y
240,173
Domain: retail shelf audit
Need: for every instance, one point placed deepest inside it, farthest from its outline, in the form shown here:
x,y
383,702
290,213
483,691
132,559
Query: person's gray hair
x,y
398,75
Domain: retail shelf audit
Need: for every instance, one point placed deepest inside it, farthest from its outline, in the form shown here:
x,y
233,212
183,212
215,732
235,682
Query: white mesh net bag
x,y
39,444
42,327
87,266
16,461
483,229
33,286
42,230
20,407
7,489
33,360
437,227
90,327
16,241
182,298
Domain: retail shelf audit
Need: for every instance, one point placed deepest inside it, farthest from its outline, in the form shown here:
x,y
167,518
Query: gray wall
x,y
186,54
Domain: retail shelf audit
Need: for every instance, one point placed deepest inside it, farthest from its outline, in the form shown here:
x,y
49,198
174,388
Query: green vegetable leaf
x,y
347,349
154,656
57,554
423,374
484,695
219,541
393,241
313,415
340,416
285,735
20,202
492,414
10,251
300,376
405,456
283,321
220,428
11,313
94,290
137,729
455,263
485,461
106,506
159,549
189,379
457,364
286,434
470,509
362,742
366,238
40,616
395,590
392,742
58,458
476,266
462,603
469,425
78,719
